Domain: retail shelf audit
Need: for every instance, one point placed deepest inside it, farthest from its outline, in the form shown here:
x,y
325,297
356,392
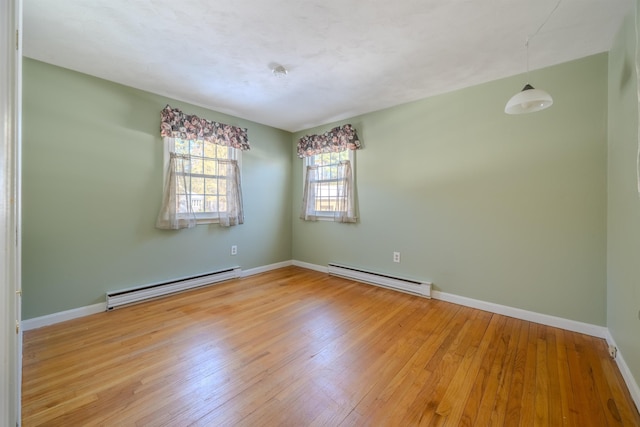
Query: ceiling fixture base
x,y
280,71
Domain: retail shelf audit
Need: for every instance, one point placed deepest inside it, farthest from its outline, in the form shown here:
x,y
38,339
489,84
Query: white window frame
x,y
310,161
201,217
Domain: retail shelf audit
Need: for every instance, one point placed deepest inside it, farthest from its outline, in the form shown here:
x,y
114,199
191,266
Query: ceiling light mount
x,y
280,71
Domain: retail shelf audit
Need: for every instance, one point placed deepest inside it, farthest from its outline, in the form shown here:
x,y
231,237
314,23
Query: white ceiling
x,y
344,57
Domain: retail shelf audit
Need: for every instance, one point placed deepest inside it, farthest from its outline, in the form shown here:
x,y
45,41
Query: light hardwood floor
x,y
295,347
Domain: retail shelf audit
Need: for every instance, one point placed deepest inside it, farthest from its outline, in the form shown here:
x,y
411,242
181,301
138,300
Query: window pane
x,y
180,188
197,148
209,167
222,187
181,204
181,146
197,185
186,165
211,203
197,203
210,149
196,165
223,152
211,186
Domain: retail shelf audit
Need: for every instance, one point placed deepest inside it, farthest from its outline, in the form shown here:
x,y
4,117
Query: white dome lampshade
x,y
529,100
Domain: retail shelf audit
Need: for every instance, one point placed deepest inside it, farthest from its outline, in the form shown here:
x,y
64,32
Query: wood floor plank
x,y
510,336
518,367
542,390
298,347
498,380
454,400
482,379
556,414
567,402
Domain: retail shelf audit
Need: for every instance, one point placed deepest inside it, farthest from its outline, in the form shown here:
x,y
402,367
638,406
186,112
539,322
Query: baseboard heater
x,y
414,287
134,295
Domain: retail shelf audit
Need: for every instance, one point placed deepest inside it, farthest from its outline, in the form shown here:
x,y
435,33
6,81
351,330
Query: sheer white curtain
x,y
339,194
176,211
308,212
229,210
345,204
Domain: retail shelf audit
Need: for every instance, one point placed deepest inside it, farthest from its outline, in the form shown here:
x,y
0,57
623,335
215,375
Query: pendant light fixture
x,y
530,99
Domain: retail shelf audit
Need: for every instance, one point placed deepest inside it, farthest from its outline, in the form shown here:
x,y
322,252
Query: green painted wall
x,y
623,263
92,185
506,209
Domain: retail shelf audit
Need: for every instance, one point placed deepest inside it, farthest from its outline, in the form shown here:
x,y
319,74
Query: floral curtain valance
x,y
337,139
176,124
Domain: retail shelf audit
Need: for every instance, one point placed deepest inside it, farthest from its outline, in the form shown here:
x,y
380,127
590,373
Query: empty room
x,y
321,213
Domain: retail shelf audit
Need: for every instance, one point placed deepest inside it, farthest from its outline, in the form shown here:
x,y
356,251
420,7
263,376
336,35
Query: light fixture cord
x,y
527,45
536,33
545,21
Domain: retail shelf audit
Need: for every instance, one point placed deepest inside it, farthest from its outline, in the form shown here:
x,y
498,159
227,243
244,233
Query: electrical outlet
x,y
234,250
613,351
396,257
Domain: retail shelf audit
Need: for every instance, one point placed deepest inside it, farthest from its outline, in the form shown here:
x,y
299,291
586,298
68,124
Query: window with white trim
x,y
328,187
207,179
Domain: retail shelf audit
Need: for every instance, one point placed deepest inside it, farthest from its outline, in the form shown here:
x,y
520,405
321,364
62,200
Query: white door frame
x,y
10,232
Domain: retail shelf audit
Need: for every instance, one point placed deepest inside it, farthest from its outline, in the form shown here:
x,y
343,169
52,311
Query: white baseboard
x,y
50,319
308,266
265,268
632,385
531,316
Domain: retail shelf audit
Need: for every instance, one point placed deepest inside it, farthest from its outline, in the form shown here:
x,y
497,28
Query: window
x,y
202,180
329,192
206,178
203,183
328,188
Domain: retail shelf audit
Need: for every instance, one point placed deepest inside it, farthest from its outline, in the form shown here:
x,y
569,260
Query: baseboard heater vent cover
x,y
134,295
414,287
